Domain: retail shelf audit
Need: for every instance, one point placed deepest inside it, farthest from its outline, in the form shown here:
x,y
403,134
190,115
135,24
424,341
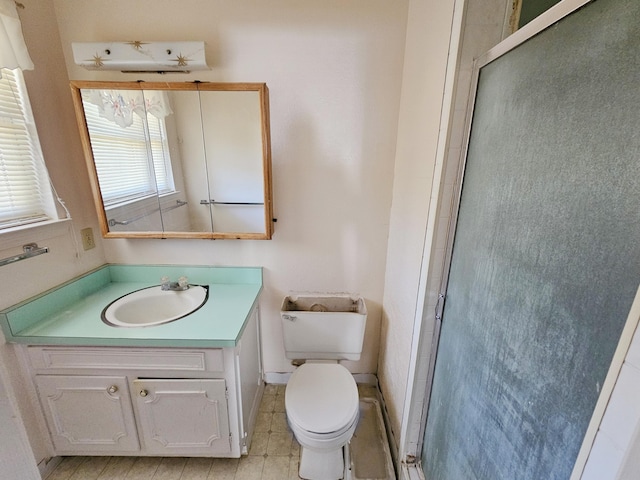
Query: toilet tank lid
x,y
321,397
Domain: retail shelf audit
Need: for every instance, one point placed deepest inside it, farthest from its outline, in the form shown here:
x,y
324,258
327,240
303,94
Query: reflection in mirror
x,y
178,160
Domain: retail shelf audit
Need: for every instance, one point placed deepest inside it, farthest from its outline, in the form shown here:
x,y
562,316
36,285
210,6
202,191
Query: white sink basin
x,y
154,306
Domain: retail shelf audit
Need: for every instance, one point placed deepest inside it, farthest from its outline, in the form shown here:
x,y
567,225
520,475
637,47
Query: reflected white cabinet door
x,y
187,416
88,413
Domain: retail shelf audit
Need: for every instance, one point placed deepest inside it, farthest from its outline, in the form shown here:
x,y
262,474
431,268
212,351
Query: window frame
x,y
27,197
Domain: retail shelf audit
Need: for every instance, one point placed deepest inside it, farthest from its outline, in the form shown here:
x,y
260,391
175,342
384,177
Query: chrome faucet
x,y
179,286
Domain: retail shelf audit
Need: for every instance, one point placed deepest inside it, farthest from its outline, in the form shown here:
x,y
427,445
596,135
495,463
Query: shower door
x,y
546,255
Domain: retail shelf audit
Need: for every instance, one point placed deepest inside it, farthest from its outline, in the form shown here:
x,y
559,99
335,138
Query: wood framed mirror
x,y
178,160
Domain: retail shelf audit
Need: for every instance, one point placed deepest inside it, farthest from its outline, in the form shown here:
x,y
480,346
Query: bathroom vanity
x,y
190,387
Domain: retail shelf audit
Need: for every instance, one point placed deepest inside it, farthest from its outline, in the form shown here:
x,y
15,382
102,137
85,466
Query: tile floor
x,y
274,455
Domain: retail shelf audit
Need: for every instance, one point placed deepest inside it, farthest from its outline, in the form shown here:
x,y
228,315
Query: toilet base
x,y
321,465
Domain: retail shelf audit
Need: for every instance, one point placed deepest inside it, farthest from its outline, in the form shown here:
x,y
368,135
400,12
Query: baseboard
x,y
393,445
48,465
366,379
277,378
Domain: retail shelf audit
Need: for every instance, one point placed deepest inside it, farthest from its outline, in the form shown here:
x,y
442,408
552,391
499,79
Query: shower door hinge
x,y
440,306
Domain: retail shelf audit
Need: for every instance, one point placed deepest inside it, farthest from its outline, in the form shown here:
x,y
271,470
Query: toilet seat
x,y
322,398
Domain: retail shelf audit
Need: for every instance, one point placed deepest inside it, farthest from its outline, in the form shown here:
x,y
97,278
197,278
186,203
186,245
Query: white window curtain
x,y
129,146
119,106
13,50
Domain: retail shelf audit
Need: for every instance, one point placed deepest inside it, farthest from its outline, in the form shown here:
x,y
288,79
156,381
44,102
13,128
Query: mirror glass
x,y
178,159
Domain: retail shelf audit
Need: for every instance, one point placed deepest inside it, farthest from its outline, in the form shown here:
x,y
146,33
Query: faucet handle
x,y
183,282
164,281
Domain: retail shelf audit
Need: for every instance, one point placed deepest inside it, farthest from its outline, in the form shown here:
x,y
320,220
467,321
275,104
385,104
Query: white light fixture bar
x,y
137,56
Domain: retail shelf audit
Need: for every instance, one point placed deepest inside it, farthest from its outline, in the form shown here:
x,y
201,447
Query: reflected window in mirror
x,y
178,160
129,143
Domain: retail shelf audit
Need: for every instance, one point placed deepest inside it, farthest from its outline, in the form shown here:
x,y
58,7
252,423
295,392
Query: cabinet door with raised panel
x,y
182,416
88,413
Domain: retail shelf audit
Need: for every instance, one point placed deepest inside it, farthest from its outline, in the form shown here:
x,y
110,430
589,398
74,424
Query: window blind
x,y
25,192
131,162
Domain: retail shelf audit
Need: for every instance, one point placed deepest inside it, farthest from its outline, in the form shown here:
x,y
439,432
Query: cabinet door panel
x,y
183,416
88,413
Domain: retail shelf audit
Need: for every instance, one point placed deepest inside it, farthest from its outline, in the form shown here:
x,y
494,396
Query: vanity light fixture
x,y
137,56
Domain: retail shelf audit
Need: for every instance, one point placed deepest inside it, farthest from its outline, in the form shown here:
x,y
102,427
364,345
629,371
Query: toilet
x,y
321,398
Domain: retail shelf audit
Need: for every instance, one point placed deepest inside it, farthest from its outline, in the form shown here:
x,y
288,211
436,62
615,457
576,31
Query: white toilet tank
x,y
323,327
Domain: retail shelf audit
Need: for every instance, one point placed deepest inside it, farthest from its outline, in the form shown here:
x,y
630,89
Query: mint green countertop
x,y
70,313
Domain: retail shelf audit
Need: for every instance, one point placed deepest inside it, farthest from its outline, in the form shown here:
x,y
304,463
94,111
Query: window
x,y
25,191
131,146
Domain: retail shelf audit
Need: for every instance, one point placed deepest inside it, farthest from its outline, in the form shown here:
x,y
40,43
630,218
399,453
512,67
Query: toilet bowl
x,y
322,408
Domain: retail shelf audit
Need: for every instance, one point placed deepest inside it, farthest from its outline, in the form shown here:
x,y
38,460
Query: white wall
x,y
427,49
334,72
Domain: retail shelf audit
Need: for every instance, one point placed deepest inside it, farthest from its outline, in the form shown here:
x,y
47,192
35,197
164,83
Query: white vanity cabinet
x,y
201,426
88,413
149,401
